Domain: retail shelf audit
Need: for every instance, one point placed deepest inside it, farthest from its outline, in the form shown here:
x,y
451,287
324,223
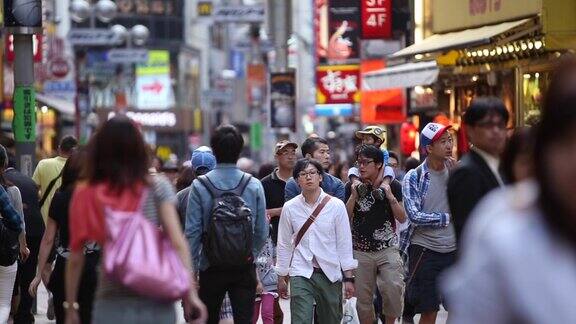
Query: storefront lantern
x,y
408,133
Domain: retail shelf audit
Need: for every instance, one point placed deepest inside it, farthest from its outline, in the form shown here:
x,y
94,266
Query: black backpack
x,y
9,245
228,238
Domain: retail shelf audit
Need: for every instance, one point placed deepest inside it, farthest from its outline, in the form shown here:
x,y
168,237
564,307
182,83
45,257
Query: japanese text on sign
x,y
337,84
480,7
24,122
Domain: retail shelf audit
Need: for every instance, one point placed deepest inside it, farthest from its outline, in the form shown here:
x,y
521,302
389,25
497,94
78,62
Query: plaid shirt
x,y
10,216
414,190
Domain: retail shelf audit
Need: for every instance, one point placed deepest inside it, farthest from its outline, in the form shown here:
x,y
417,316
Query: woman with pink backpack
x,y
146,263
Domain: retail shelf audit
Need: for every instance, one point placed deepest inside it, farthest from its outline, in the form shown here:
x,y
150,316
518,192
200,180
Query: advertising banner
x,y
153,84
376,19
344,31
24,122
337,84
283,100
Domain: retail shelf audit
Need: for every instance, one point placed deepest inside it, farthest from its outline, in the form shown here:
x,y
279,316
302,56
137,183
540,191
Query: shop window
x,y
533,86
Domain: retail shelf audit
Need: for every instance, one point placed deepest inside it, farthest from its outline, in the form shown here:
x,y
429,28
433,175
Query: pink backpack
x,y
138,255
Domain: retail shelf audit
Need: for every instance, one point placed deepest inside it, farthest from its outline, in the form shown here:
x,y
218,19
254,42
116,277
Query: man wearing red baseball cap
x,y
429,241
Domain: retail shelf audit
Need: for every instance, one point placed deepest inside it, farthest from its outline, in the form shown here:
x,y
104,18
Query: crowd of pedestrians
x,y
118,239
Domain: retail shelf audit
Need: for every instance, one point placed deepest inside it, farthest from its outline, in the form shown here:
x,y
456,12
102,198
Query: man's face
x,y
322,155
393,163
368,168
442,147
489,134
286,158
309,179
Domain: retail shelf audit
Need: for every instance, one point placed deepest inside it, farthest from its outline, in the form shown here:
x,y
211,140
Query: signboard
x,y
24,122
376,19
452,15
65,89
344,30
153,84
128,55
204,8
381,106
239,14
321,29
337,84
36,47
146,7
283,100
59,67
93,37
255,82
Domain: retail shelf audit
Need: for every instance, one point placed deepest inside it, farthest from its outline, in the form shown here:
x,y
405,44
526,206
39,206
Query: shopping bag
x,y
350,315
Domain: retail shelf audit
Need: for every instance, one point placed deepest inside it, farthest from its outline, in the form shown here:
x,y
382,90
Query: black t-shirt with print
x,y
373,225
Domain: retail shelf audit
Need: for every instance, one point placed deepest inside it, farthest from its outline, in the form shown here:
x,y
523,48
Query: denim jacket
x,y
330,184
224,176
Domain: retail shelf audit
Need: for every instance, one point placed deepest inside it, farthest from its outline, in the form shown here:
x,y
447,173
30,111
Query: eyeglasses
x,y
309,173
491,125
364,162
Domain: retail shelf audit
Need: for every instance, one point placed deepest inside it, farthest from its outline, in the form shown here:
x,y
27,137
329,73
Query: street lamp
x,y
137,35
104,10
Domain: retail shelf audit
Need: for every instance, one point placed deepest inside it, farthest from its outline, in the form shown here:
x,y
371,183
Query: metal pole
x,y
279,29
24,124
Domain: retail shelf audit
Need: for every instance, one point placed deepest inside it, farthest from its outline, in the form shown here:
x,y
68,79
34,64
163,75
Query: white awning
x,y
467,38
401,76
66,107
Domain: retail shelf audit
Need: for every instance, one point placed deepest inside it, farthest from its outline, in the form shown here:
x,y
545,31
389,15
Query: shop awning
x,y
401,76
468,38
63,106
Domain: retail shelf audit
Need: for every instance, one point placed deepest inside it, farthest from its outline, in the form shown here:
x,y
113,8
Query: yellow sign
x,y
204,9
158,63
449,15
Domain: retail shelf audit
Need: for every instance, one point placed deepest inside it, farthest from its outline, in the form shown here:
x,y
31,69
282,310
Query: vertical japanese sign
x,y
344,30
337,84
24,122
376,19
283,100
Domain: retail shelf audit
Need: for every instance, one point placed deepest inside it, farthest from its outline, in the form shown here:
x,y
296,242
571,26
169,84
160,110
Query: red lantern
x,y
408,133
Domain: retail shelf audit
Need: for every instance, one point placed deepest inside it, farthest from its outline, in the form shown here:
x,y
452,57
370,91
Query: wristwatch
x,y
67,305
349,279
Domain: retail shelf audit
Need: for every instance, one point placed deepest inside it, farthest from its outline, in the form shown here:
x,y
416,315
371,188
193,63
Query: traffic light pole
x,y
24,123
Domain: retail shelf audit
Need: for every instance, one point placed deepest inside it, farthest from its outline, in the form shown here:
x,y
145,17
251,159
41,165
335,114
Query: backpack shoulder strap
x,y
49,188
205,181
244,181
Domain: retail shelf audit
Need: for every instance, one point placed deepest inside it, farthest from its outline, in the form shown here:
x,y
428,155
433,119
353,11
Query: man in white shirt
x,y
314,267
478,171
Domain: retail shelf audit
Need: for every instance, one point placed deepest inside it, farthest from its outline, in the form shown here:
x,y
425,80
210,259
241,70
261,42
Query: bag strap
x,y
216,192
308,223
49,188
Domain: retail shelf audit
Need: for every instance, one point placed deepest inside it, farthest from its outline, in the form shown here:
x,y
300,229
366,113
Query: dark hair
x,y
521,142
117,154
185,178
302,164
72,170
371,152
265,170
481,107
310,145
227,144
394,155
67,144
3,164
411,163
558,118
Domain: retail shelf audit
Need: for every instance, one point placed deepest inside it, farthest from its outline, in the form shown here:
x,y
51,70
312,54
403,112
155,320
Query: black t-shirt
x,y
373,225
59,213
274,192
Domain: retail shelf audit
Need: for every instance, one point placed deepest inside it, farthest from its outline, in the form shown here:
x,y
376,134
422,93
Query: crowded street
x,y
287,161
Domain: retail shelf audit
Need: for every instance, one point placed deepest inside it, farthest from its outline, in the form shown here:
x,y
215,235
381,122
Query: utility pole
x,y
23,20
279,30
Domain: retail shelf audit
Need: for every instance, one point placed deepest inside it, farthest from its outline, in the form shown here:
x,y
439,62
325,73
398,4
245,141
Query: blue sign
x,y
238,64
345,110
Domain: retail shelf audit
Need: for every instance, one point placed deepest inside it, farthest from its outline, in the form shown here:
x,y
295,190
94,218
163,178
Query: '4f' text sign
x,y
376,19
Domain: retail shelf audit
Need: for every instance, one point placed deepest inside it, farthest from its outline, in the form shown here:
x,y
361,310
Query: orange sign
x,y
381,106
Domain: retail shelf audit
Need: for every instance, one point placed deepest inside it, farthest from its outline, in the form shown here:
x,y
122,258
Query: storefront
x,y
166,131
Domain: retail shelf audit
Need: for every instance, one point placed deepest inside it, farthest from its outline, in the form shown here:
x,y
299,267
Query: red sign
x,y
381,106
337,84
376,18
36,47
59,67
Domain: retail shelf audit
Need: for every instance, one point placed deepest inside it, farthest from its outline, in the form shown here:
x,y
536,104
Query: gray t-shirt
x,y
162,191
439,239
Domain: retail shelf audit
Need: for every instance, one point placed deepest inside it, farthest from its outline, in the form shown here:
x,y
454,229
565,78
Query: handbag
x,y
139,256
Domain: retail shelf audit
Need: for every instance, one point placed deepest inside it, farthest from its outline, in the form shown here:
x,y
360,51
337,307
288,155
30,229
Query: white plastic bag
x,y
350,315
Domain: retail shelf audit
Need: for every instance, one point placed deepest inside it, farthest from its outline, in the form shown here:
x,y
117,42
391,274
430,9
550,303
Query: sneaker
x,y
362,190
50,311
378,194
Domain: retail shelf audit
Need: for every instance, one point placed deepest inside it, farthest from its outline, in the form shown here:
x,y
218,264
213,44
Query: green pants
x,y
328,297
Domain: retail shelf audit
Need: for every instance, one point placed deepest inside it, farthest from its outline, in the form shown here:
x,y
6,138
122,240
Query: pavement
x,y
284,304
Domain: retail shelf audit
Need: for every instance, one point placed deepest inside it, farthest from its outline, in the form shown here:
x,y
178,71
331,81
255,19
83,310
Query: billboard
x,y
337,84
283,100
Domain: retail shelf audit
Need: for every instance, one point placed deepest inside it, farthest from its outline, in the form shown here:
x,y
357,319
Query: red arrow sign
x,y
156,87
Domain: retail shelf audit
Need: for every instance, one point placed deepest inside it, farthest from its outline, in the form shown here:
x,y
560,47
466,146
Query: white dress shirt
x,y
328,240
